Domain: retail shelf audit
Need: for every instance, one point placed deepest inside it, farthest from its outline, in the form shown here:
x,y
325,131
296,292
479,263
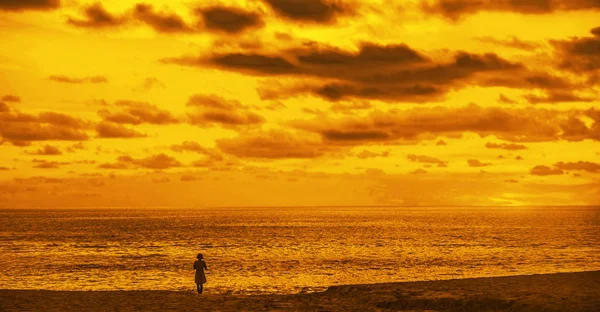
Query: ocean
x,y
288,250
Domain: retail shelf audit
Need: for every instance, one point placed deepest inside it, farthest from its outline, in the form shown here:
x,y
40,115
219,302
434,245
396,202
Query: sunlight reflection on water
x,y
288,250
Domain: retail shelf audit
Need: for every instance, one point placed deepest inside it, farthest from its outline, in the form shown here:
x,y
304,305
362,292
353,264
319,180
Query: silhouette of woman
x,y
200,278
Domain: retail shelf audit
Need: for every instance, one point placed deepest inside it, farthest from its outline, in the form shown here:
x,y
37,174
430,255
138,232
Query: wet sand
x,y
547,292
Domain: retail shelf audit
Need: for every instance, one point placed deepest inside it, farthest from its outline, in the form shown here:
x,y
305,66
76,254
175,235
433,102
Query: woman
x,y
199,266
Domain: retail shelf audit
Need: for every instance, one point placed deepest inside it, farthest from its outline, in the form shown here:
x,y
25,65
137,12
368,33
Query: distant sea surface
x,y
288,250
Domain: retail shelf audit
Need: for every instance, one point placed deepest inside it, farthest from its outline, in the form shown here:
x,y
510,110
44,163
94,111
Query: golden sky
x,y
299,102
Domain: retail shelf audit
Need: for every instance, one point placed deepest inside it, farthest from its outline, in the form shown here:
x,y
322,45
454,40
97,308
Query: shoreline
x,y
540,292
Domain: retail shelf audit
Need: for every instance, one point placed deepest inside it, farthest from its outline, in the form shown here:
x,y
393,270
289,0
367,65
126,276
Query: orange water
x,y
288,250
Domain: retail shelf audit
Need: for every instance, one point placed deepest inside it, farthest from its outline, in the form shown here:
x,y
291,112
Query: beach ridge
x,y
540,292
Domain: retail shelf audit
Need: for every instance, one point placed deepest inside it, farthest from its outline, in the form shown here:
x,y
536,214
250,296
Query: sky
x,y
223,103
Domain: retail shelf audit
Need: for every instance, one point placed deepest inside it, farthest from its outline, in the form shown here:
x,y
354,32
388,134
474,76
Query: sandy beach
x,y
544,292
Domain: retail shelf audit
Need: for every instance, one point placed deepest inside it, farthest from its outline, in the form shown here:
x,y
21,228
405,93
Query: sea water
x,y
288,250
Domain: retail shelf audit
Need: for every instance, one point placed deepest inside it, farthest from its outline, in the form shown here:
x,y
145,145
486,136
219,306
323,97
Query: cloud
x,y
161,21
557,97
111,130
211,110
75,147
188,178
477,163
48,150
44,164
545,171
455,9
22,5
161,180
393,72
368,154
579,166
272,144
418,171
4,108
66,79
397,126
229,20
349,108
96,16
158,162
506,146
189,146
513,42
151,83
11,98
505,99
315,11
315,61
20,128
427,160
580,55
135,113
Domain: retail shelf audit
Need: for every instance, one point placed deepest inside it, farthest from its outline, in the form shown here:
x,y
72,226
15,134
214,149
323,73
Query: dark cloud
x,y
365,154
349,108
161,180
96,16
385,72
188,178
164,22
427,160
513,125
66,79
75,147
355,135
229,20
317,11
158,162
545,171
418,171
557,97
111,130
10,98
506,146
513,42
4,108
579,54
579,166
477,163
211,110
455,9
506,100
48,150
135,113
271,144
21,5
189,146
45,164
152,83
20,128
315,61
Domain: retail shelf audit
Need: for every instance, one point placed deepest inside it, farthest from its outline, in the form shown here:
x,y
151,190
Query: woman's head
x,y
200,256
